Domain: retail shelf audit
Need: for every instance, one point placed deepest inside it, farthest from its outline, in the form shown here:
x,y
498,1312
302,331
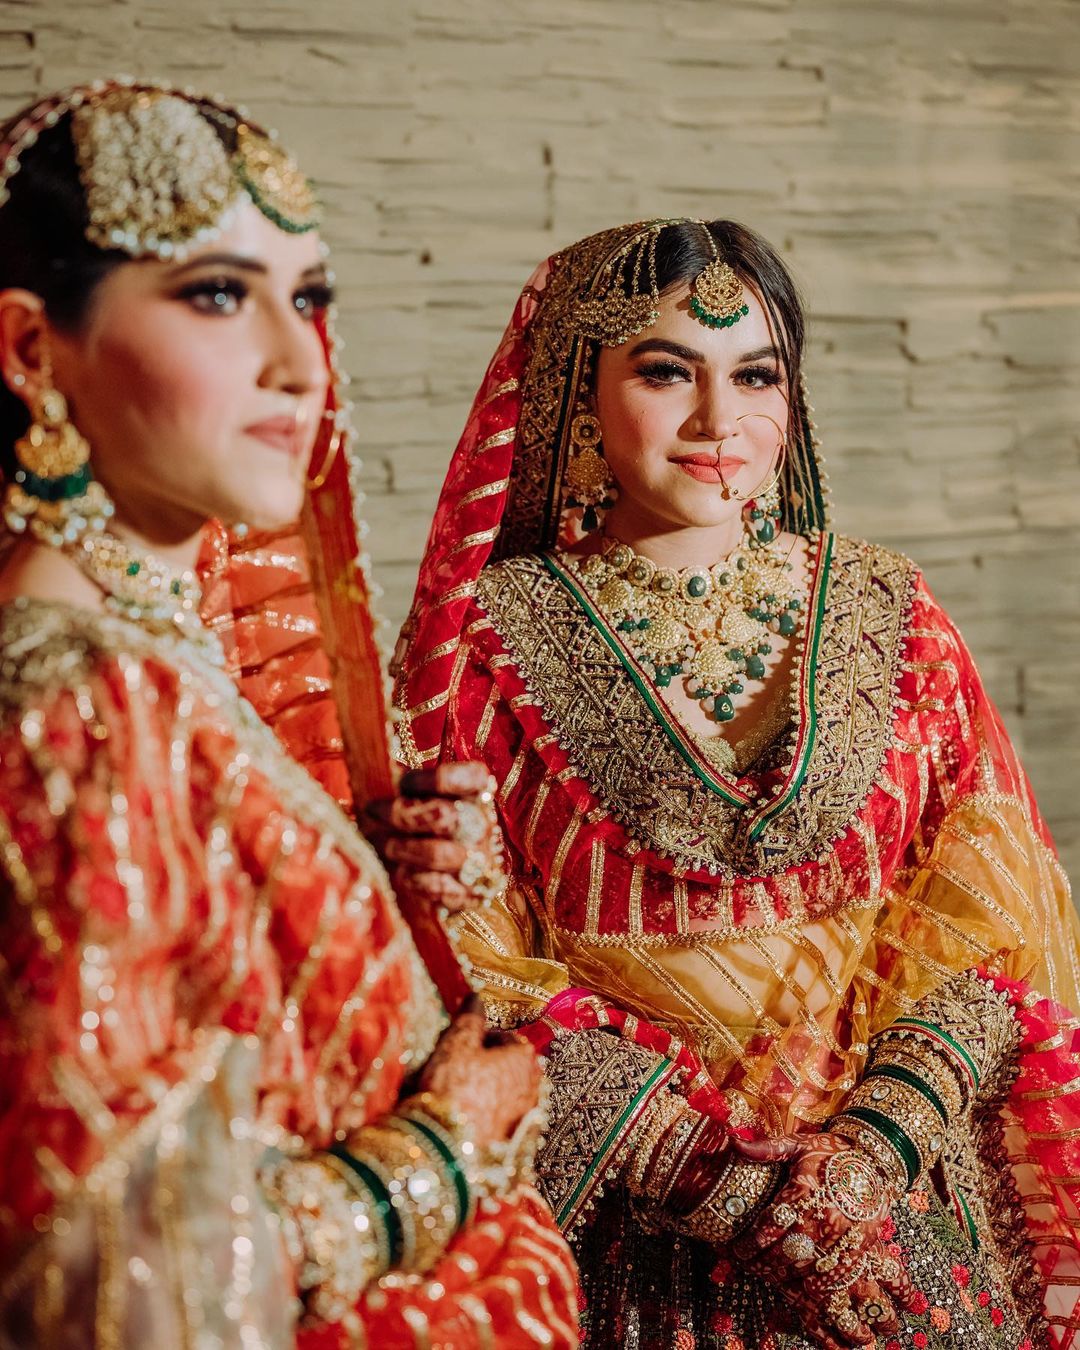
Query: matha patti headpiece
x,y
626,298
158,177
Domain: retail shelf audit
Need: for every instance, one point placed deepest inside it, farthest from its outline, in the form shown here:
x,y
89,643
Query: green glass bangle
x,y
374,1184
902,1075
893,1135
446,1153
938,1033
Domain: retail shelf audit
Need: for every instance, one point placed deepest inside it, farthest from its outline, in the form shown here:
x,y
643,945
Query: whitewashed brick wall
x,y
917,162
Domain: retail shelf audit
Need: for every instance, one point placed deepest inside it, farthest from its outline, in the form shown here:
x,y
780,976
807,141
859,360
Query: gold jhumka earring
x,y
54,495
588,476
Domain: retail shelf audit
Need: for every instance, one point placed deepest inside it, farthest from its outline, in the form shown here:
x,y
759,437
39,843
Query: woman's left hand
x,y
822,1238
440,838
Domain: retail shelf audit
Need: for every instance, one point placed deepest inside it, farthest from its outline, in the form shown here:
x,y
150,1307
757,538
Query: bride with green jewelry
x,y
783,915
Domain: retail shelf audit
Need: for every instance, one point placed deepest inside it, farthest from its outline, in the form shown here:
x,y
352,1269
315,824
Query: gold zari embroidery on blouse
x,y
640,777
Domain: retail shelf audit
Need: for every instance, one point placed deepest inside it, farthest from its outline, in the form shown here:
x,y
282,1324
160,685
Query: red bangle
x,y
697,1178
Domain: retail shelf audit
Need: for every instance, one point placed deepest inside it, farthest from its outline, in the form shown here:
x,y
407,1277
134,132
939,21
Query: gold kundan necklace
x,y
138,585
709,625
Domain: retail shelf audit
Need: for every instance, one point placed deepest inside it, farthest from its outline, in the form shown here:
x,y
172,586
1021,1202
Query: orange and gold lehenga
x,y
741,938
204,969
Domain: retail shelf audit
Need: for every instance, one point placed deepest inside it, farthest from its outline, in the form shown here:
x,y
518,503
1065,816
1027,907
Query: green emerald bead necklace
x,y
710,627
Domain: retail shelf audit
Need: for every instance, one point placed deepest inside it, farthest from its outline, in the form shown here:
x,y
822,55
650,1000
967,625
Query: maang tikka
x,y
625,298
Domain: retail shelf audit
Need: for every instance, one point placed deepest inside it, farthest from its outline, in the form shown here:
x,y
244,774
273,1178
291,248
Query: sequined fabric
x,y
201,958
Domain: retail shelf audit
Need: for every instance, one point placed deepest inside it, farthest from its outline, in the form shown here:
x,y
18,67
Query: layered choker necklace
x,y
139,586
136,585
711,626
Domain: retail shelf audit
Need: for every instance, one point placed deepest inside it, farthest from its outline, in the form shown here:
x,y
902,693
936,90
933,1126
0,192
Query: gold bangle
x,y
908,1109
665,1110
742,1190
422,1200
330,1231
879,1148
921,1060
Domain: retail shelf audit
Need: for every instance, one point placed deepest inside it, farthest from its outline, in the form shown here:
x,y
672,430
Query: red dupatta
x,y
945,816
293,609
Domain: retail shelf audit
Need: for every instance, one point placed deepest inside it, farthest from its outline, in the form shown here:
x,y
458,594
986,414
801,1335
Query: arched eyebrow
x,y
768,353
244,263
671,348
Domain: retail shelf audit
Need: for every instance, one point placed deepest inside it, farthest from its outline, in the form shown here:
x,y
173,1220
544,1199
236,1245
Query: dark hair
x,y
682,252
43,248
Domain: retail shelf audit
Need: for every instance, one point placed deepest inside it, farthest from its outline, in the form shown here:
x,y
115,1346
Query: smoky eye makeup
x,y
663,371
214,294
759,377
314,297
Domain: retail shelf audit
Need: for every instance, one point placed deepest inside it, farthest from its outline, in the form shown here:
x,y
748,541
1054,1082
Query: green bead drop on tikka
x,y
698,310
755,667
133,569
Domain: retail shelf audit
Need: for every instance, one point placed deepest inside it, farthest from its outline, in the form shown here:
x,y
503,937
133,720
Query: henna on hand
x,y
821,1239
440,839
492,1078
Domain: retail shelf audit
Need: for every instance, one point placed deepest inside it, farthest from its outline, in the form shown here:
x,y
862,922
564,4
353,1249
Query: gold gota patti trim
x,y
649,777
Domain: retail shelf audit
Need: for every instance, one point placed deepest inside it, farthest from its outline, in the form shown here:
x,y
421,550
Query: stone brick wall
x,y
918,163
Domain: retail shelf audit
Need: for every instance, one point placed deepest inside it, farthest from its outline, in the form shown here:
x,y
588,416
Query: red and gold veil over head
x,y
506,491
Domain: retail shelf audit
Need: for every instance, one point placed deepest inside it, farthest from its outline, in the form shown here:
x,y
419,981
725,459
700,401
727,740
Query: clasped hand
x,y
822,1239
440,838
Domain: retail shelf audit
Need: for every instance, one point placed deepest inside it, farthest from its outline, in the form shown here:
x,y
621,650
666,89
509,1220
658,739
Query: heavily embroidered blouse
x,y
201,959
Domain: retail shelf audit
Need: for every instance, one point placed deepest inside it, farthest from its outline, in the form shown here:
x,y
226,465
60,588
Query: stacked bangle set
x,y
920,1079
684,1165
393,1199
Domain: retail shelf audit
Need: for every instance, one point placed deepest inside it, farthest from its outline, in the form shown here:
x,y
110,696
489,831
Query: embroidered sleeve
x,y
127,1174
602,1089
